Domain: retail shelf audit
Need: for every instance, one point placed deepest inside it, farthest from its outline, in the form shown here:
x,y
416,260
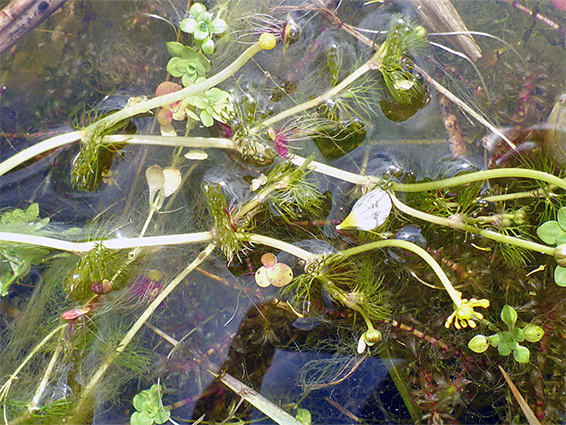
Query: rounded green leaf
x,y
521,354
504,349
208,46
218,26
175,48
494,340
478,344
188,25
533,333
162,416
141,400
509,316
197,9
141,418
172,67
201,31
549,231
560,276
187,79
261,277
206,119
189,54
304,416
562,218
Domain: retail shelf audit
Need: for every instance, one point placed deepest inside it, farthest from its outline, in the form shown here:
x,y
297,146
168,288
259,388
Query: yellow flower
x,y
465,315
267,41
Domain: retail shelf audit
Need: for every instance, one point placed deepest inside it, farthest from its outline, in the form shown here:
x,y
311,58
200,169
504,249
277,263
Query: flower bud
x,y
267,41
560,255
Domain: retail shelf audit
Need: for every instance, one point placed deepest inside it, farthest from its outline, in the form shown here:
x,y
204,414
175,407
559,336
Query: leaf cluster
x,y
403,39
295,194
554,233
213,104
17,259
508,341
202,26
230,230
149,407
186,63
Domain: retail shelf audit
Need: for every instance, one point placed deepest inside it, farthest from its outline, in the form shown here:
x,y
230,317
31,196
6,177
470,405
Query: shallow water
x,y
297,348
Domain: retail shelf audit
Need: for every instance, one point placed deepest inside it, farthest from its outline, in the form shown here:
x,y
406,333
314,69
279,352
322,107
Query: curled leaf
x,y
369,212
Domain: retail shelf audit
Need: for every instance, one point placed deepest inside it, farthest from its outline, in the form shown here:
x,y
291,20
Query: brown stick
x,y
22,16
441,16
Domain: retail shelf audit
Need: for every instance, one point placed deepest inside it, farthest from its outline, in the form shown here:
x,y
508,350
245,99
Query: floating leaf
x,y
273,273
172,181
369,212
549,231
268,260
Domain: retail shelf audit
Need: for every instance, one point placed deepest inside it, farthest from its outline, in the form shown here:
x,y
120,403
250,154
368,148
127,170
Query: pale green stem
x,y
38,149
337,173
282,246
101,370
121,243
460,225
14,376
480,176
170,98
373,64
186,142
45,379
409,246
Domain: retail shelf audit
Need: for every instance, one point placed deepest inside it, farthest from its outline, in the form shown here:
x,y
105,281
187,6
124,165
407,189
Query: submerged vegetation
x,y
305,191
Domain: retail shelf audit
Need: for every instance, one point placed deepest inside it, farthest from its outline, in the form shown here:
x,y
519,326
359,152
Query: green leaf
x,y
141,400
208,46
549,231
478,344
201,32
197,9
172,67
162,416
509,316
188,25
533,333
189,54
206,119
304,416
187,79
32,212
175,48
218,26
560,276
141,418
521,354
518,334
562,218
504,349
494,340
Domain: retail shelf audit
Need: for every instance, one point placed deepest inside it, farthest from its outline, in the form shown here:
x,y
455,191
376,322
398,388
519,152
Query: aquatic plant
x,y
357,293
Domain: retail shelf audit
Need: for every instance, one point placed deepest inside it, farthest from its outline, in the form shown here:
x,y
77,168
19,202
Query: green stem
x,y
186,142
38,149
122,243
337,173
373,64
480,176
283,246
409,246
461,225
14,376
90,388
170,98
